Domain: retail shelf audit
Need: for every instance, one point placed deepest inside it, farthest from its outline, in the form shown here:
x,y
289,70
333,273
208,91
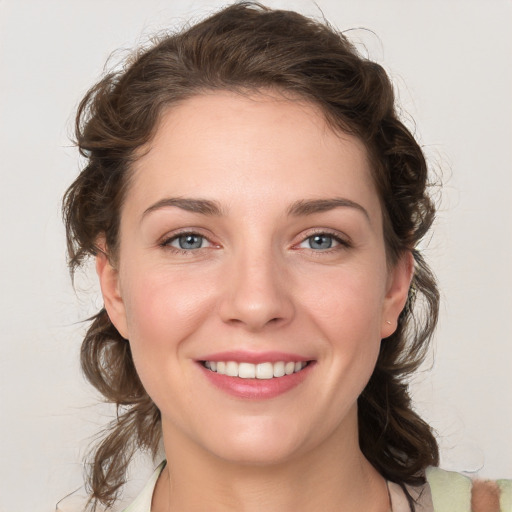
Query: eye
x,y
187,242
321,242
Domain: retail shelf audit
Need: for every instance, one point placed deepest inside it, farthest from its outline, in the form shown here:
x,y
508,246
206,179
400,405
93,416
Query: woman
x,y
254,206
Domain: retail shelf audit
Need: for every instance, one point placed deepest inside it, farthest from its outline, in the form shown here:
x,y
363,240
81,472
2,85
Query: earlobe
x,y
110,289
399,282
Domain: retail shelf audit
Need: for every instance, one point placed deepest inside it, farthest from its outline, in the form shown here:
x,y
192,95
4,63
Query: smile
x,y
262,371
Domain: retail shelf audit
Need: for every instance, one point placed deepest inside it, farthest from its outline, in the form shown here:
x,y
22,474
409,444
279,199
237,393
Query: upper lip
x,y
240,356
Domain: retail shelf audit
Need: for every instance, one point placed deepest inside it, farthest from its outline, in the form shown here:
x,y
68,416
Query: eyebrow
x,y
297,209
309,207
202,206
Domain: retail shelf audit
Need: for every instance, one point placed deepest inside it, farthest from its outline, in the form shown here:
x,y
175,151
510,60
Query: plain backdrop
x,y
451,63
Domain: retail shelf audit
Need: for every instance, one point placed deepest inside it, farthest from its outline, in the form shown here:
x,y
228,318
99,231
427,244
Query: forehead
x,y
250,147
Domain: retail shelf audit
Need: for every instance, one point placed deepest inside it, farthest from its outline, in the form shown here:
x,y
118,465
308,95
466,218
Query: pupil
x,y
321,242
190,242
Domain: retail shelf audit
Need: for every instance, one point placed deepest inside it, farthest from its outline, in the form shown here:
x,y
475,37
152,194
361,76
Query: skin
x,y
256,284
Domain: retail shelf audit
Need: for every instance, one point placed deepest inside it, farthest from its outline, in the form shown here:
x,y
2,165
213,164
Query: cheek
x,y
350,298
163,312
347,310
164,308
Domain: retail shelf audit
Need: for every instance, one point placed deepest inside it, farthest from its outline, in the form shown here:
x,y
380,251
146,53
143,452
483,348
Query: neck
x,y
333,477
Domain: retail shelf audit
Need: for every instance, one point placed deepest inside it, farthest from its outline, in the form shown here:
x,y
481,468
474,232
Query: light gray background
x,y
451,62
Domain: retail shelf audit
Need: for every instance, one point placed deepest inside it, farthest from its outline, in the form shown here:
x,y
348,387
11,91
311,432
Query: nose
x,y
257,293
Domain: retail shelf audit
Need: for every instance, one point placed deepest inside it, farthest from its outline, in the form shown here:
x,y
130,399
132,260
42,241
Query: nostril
x,y
255,300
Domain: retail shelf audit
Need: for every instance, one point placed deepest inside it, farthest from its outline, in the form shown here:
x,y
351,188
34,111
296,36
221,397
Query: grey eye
x,y
319,242
188,241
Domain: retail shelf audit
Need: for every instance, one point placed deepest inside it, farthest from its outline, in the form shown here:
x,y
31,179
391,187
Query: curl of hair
x,y
245,48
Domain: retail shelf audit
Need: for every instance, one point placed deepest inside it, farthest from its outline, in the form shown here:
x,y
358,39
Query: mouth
x,y
256,376
262,371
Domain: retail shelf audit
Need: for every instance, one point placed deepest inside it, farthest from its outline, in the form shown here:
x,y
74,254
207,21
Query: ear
x,y
399,282
110,289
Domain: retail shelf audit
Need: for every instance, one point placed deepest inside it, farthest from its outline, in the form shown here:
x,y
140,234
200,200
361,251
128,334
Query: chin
x,y
267,442
256,453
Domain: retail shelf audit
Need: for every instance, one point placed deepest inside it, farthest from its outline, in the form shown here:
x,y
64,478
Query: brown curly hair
x,y
247,47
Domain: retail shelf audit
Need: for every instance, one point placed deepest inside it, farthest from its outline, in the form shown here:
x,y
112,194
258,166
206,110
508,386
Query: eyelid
x,y
177,238
165,240
341,239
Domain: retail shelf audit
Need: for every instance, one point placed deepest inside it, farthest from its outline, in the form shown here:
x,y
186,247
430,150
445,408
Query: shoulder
x,y
143,501
77,501
73,502
454,492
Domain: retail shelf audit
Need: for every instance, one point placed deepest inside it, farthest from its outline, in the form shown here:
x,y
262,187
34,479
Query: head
x,y
250,53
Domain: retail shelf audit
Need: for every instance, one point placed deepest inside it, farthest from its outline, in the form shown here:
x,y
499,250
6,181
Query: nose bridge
x,y
256,292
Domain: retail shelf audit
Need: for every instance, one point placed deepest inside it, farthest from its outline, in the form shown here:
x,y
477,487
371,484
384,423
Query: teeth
x,y
264,371
255,371
246,371
279,369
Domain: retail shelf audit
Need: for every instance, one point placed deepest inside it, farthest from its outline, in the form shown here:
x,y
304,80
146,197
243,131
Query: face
x,y
251,280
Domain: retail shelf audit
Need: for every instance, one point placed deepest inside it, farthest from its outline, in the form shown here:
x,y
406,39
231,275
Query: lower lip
x,y
256,389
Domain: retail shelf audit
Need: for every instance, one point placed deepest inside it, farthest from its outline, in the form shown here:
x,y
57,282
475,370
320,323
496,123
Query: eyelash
x,y
342,243
166,242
